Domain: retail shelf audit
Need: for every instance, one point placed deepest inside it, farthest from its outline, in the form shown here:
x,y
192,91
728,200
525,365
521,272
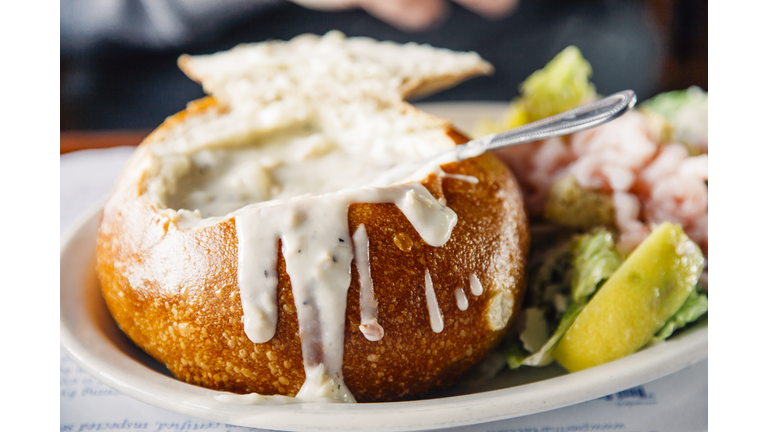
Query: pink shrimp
x,y
681,196
648,184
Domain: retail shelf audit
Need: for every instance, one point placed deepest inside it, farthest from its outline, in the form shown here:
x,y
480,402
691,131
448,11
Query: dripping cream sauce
x,y
318,253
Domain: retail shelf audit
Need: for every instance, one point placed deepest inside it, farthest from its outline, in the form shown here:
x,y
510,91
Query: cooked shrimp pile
x,y
649,182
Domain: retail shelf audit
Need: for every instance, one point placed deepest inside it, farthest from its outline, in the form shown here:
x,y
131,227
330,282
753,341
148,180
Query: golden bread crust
x,y
175,294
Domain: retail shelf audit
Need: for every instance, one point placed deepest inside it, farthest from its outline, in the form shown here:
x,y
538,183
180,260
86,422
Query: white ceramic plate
x,y
94,341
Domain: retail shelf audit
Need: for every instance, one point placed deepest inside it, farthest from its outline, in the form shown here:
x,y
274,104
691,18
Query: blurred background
x,y
118,57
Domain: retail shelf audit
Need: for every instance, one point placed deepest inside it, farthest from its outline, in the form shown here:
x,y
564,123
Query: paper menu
x,y
674,403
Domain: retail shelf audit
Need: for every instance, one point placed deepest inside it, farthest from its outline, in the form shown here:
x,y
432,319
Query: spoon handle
x,y
575,120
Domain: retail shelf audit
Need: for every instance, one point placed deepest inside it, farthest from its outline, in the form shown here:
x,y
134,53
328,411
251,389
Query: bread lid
x,y
330,66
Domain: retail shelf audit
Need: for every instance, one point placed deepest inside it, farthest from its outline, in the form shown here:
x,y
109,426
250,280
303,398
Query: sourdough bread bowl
x,y
250,246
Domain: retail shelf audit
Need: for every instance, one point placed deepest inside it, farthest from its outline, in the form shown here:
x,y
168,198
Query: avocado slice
x,y
635,302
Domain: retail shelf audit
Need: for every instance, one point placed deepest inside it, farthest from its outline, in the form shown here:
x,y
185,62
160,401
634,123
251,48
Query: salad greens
x,y
594,261
561,85
579,269
680,116
694,307
645,292
669,104
586,262
566,275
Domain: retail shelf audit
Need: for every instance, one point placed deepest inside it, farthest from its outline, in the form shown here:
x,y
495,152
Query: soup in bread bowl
x,y
251,246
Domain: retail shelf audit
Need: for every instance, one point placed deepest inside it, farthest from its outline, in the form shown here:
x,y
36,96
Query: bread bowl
x,y
213,212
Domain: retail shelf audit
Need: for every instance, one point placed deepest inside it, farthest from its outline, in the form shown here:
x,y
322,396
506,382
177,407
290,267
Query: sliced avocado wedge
x,y
636,302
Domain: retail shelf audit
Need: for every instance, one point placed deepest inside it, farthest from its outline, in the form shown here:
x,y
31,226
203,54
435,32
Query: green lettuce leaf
x,y
543,356
680,116
514,352
594,260
553,277
695,306
670,103
561,85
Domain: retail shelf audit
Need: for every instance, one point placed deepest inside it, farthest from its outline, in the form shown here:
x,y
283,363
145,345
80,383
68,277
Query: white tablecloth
x,y
676,403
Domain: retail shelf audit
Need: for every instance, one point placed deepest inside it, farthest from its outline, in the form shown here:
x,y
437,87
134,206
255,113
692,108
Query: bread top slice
x,y
330,66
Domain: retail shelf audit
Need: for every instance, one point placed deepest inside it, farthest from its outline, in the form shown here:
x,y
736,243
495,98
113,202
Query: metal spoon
x,y
575,120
